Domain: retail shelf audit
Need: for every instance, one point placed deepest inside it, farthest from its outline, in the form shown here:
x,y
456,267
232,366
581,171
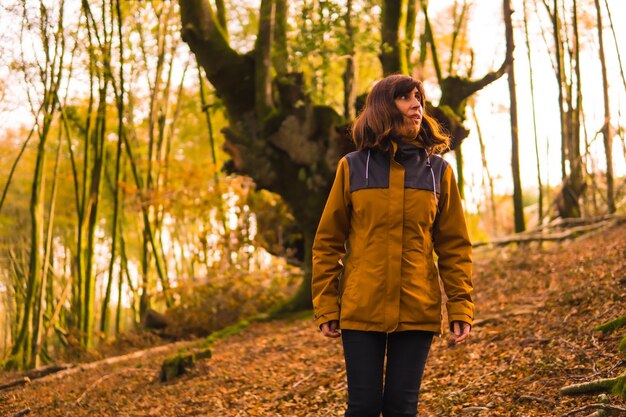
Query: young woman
x,y
392,204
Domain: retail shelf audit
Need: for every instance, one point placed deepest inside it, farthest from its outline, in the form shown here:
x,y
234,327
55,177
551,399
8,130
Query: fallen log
x,y
59,371
27,377
573,228
175,366
615,386
599,407
611,325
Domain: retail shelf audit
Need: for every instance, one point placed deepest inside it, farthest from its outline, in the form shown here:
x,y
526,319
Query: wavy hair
x,y
380,120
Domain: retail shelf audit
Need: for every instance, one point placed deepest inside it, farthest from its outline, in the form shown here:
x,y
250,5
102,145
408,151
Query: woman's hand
x,y
329,329
459,332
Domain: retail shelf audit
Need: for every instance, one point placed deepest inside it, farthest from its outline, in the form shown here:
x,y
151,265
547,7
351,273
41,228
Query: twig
x,y
605,407
475,409
538,399
22,413
302,380
22,381
99,380
599,413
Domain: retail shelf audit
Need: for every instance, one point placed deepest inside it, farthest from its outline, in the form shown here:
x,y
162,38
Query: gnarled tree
x,y
277,135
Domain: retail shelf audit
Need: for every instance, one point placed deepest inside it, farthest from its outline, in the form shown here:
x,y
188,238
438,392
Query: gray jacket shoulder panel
x,y
369,168
417,173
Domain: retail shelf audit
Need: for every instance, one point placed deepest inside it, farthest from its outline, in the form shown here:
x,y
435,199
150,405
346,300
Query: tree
x,y
569,101
518,208
281,139
606,134
51,73
455,91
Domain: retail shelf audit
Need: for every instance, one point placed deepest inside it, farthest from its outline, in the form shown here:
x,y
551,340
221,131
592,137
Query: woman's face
x,y
410,107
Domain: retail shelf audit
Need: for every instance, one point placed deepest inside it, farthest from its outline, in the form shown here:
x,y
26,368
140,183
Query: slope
x,y
535,312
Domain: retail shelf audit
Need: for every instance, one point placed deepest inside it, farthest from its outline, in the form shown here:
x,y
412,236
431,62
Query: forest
x,y
164,166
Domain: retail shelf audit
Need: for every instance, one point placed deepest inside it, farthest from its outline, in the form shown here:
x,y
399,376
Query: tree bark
x,y
393,54
532,95
294,150
349,75
518,207
492,197
263,59
39,335
608,141
458,24
104,315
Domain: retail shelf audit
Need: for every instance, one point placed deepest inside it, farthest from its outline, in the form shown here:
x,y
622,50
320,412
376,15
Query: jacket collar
x,y
403,150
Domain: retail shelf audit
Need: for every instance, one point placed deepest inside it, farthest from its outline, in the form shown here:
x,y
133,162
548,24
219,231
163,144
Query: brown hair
x,y
380,119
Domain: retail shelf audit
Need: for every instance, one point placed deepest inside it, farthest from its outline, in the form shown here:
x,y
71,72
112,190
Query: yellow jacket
x,y
373,263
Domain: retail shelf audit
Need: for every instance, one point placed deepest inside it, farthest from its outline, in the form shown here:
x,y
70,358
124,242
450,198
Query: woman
x,y
393,203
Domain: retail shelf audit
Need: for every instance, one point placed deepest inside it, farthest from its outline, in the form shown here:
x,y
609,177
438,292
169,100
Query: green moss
x,y
175,366
612,325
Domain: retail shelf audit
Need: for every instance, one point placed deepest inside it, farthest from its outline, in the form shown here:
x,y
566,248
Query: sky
x,y
486,36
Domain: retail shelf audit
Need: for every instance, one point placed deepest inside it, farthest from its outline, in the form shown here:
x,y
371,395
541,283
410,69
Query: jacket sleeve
x,y
329,247
454,250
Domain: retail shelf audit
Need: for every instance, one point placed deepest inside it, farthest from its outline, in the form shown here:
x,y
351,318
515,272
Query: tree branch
x,y
263,62
431,40
231,74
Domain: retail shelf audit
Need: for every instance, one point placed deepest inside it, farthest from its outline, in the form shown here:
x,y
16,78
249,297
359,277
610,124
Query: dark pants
x,y
365,356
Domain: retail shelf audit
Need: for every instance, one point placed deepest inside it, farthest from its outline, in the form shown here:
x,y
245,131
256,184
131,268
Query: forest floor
x,y
536,308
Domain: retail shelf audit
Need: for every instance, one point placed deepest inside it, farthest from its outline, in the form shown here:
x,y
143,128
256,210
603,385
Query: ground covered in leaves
x,y
536,308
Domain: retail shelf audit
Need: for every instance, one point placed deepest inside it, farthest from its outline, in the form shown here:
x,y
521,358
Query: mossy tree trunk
x,y
116,15
280,139
25,344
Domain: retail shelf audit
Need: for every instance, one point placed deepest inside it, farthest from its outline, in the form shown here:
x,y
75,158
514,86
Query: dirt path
x,y
537,309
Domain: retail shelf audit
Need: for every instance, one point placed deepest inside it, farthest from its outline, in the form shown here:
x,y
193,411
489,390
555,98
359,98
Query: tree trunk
x,y
458,24
22,348
104,315
294,151
263,68
393,53
492,197
39,332
280,55
349,75
411,23
25,344
617,50
460,177
558,53
532,95
221,16
608,141
518,207
568,201
575,158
